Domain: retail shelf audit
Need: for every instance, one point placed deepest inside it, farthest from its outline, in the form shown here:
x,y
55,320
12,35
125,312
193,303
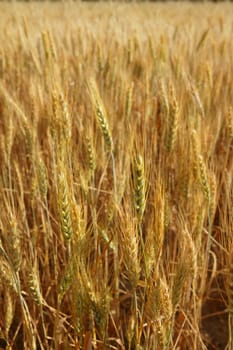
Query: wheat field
x,y
116,181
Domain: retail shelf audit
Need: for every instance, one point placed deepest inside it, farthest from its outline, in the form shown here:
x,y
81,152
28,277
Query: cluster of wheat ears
x,y
116,181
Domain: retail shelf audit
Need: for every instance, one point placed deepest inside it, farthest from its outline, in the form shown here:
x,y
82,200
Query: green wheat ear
x,y
139,190
91,156
203,178
102,120
100,113
64,207
34,286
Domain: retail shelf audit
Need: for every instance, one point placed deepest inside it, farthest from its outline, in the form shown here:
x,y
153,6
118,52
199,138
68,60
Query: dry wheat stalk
x,y
129,97
172,122
213,195
230,301
164,100
230,123
46,45
52,46
42,179
230,288
66,122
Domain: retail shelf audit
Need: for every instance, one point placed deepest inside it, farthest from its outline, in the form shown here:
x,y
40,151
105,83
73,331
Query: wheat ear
x,y
102,119
100,113
64,207
139,187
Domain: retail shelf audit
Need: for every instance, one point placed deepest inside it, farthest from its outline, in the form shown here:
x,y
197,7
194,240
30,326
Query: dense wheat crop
x,y
116,180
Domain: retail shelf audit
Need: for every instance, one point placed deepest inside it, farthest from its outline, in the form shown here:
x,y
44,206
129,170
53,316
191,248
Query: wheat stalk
x,y
172,122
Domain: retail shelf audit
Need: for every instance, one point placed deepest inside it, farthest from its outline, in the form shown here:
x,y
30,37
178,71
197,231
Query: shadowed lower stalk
x,y
30,328
230,327
230,303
